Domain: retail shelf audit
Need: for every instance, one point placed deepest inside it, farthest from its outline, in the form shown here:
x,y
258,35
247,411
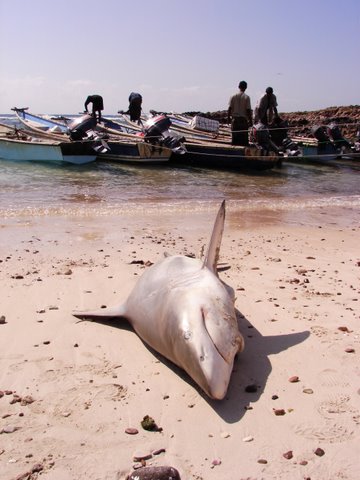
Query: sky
x,y
181,55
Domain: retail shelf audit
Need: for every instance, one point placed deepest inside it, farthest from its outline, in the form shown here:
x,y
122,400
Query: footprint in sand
x,y
336,405
328,431
332,378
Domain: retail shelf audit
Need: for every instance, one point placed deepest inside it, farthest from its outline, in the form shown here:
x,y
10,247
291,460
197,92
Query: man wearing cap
x,y
239,112
266,108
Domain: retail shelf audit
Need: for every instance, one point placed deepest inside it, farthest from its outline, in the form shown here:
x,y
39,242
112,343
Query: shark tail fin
x,y
213,252
103,313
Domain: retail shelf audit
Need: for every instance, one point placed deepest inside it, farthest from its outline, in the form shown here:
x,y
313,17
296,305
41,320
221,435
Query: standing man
x,y
266,108
97,106
240,114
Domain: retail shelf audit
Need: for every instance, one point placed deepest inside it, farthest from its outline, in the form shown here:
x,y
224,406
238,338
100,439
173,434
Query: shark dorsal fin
x,y
213,252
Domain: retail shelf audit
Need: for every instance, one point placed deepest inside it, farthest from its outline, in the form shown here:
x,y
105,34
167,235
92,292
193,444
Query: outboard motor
x,y
260,135
156,132
83,128
279,135
321,135
336,136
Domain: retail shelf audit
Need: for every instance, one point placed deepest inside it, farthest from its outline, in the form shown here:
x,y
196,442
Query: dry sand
x,y
72,389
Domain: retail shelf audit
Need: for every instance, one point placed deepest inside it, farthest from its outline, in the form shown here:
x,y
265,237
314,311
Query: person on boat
x,y
135,102
266,108
97,106
240,115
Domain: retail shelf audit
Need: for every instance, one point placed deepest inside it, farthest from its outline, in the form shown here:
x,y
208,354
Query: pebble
x,y
344,329
132,431
225,435
308,391
288,455
262,461
350,350
319,452
2,320
279,411
248,439
215,462
9,429
139,456
303,462
158,451
294,379
251,388
158,473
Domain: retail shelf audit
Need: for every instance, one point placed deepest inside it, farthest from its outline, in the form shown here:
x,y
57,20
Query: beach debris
x,y
216,462
294,379
319,452
2,320
154,473
225,435
274,397
263,461
279,411
148,423
288,455
247,439
350,350
131,431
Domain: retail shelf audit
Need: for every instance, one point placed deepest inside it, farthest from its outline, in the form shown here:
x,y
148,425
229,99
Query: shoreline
x,y
298,301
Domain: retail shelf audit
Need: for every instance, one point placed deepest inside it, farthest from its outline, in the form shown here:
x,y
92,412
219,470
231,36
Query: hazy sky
x,y
181,55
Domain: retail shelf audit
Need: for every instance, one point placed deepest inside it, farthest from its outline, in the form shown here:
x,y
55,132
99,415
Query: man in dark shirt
x,y
97,105
266,108
135,102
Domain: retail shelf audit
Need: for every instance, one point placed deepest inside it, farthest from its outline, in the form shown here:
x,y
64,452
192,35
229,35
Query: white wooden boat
x,y
17,145
123,146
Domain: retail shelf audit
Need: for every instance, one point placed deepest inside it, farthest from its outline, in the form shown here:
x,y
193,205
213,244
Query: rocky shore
x,y
347,117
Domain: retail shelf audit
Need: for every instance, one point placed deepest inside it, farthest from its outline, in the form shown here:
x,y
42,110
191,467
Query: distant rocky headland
x,y
348,119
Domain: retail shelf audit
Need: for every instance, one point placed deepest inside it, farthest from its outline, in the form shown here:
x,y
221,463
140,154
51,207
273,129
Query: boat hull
x,y
226,157
132,152
20,150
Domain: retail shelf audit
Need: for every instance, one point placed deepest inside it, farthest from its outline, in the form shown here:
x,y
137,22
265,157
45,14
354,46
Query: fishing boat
x,y
121,146
18,145
203,150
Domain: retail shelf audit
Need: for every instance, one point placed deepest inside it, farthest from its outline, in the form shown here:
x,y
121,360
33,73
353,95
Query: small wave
x,y
93,208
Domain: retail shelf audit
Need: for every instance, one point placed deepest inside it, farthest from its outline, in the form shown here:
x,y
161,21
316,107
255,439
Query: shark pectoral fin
x,y
213,252
104,313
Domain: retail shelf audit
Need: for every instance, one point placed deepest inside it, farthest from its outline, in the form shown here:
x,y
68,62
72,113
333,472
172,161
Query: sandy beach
x,y
73,394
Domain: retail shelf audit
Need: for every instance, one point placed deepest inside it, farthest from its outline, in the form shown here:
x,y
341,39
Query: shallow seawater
x,y
290,193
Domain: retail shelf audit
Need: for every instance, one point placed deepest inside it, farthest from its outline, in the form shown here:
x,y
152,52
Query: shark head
x,y
208,337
